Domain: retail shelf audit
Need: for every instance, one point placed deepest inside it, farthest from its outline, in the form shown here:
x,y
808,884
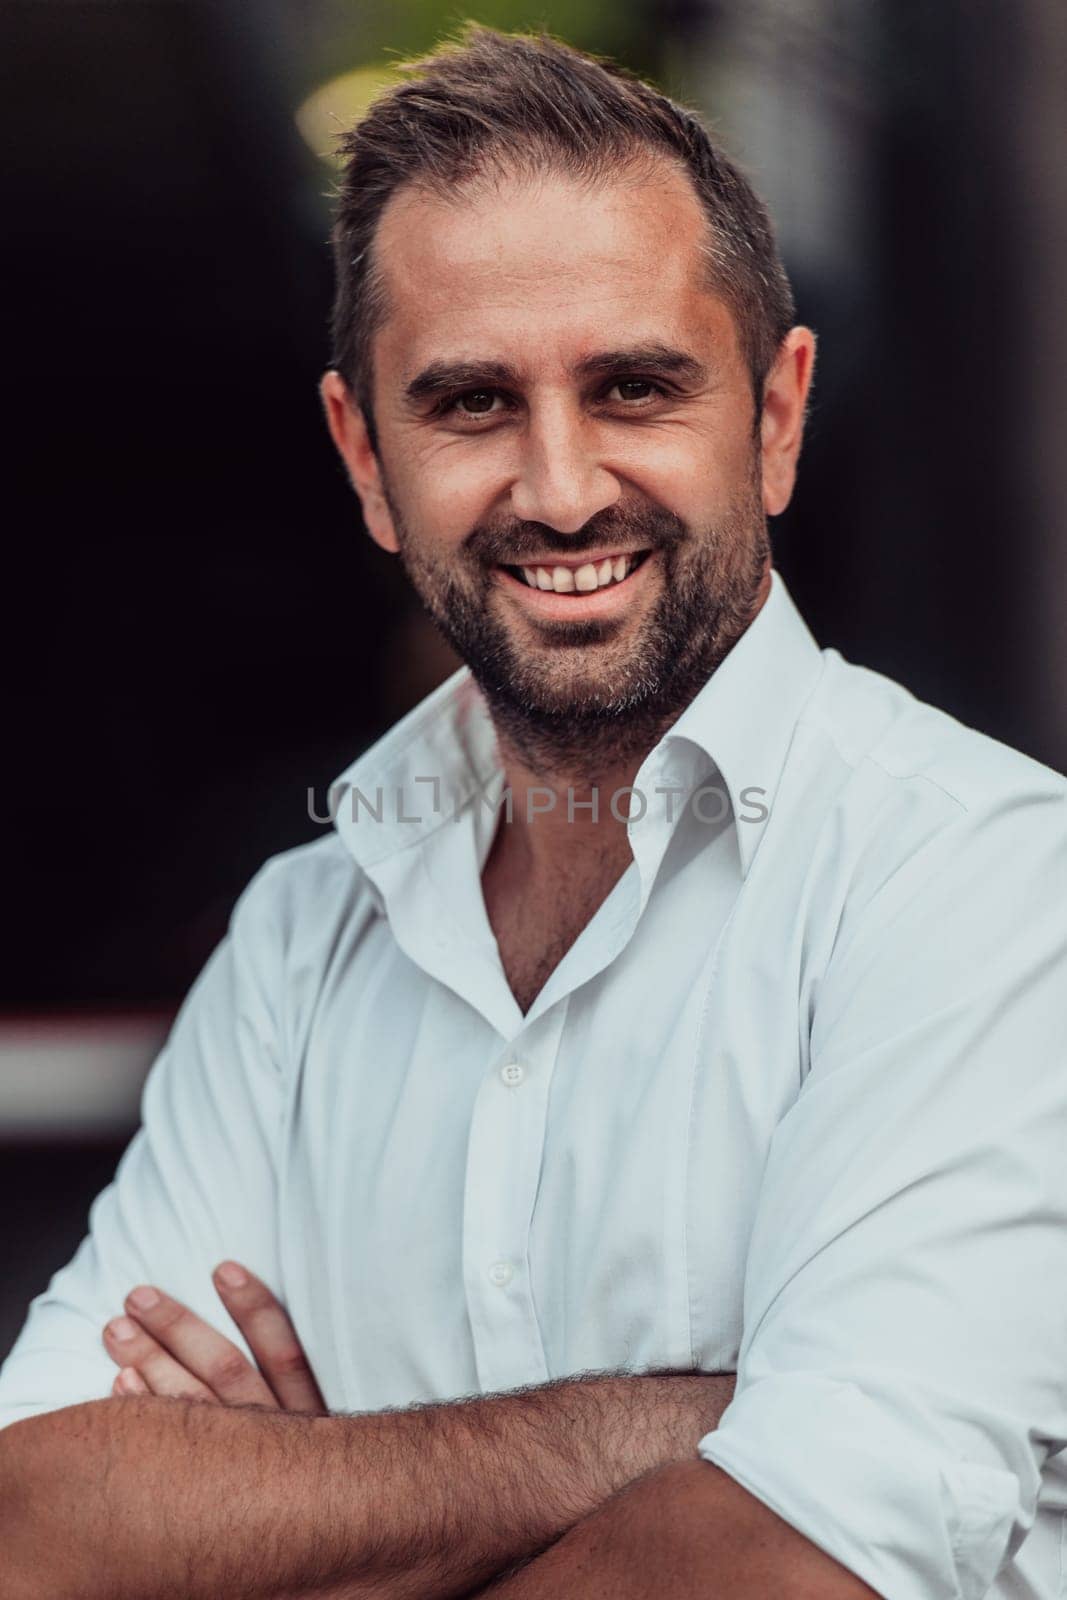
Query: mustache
x,y
514,542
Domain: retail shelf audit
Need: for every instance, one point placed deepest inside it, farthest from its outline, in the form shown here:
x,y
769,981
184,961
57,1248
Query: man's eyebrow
x,y
657,360
443,377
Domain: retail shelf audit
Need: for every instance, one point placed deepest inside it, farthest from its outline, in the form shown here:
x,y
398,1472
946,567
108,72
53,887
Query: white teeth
x,y
582,580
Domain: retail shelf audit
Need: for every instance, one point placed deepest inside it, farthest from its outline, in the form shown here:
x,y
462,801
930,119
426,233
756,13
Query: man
x,y
672,998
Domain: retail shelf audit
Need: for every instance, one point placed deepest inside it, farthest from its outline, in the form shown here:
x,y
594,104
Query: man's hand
x,y
162,1348
422,1503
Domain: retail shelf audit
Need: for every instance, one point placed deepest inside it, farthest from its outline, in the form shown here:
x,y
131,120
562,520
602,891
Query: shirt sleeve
x,y
903,1370
196,1184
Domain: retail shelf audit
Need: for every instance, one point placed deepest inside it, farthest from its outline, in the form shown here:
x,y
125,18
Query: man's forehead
x,y
543,232
586,268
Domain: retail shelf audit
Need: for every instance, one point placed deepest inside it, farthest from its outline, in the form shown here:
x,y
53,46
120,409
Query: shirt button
x,y
501,1273
512,1074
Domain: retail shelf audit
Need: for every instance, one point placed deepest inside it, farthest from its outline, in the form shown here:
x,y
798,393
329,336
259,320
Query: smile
x,y
583,578
580,590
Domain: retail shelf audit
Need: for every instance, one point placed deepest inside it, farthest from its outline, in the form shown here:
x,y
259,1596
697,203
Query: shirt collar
x,y
420,774
426,768
744,716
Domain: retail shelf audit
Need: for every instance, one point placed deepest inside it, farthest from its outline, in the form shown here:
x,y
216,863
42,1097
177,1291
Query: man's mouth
x,y
578,577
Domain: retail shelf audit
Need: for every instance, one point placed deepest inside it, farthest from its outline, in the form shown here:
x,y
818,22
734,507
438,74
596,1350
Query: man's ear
x,y
785,395
348,430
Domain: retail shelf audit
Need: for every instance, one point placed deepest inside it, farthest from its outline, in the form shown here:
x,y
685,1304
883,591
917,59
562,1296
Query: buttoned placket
x,y
504,1159
439,918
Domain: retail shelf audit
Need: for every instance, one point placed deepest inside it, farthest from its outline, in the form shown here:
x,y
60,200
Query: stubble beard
x,y
589,697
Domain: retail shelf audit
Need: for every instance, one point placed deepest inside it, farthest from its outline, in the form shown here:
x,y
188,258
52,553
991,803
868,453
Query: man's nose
x,y
561,481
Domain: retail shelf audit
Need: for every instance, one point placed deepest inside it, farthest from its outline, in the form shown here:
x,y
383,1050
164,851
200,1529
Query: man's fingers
x,y
129,1381
129,1345
178,1353
204,1353
270,1335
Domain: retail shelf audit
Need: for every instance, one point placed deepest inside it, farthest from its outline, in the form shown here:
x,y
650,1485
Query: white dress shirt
x,y
794,1104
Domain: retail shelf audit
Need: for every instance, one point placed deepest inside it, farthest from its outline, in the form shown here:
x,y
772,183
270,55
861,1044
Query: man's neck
x,y
551,867
563,823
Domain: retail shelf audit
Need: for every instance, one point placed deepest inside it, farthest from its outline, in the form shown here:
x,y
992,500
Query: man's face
x,y
568,461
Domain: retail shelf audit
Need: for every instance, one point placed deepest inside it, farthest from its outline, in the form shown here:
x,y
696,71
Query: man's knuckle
x,y
228,1369
156,1369
256,1301
290,1362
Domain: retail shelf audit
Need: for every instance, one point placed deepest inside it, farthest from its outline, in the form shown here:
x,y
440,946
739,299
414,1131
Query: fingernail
x,y
231,1275
122,1328
130,1380
142,1299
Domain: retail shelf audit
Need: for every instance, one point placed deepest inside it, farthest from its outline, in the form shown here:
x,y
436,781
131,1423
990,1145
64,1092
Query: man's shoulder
x,y
302,895
302,914
887,738
911,808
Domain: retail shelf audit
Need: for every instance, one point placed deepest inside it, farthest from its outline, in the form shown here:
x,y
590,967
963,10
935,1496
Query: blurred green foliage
x,y
365,35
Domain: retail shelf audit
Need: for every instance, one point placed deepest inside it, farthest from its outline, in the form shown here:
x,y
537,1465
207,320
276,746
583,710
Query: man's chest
x,y
534,935
534,925
465,1211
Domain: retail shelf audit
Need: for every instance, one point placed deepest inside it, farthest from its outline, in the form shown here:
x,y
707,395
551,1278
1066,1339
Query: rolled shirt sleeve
x,y
903,1370
197,1184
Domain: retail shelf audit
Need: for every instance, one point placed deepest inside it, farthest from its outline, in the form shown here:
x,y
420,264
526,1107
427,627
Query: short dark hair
x,y
491,101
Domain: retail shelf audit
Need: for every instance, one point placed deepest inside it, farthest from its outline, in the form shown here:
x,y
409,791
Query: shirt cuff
x,y
913,1522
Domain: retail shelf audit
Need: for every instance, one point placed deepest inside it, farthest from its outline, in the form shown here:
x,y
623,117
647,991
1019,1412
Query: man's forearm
x,y
168,1498
687,1530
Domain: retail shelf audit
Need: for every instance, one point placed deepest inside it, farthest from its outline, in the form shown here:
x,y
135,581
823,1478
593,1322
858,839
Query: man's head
x,y
562,331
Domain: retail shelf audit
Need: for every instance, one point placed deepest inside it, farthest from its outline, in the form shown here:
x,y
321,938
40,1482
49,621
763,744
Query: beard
x,y
580,698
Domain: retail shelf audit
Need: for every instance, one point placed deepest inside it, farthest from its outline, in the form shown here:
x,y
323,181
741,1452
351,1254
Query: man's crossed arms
x,y
206,1477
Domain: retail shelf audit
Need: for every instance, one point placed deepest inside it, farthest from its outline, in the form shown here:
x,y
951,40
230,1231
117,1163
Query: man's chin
x,y
563,680
585,726
584,696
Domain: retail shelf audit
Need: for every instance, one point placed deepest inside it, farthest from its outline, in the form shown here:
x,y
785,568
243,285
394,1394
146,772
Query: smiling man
x,y
671,1000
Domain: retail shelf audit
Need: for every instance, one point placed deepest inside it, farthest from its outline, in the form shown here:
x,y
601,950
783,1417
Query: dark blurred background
x,y
198,630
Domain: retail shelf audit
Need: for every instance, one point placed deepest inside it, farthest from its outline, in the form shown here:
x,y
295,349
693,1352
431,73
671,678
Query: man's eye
x,y
476,402
635,388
